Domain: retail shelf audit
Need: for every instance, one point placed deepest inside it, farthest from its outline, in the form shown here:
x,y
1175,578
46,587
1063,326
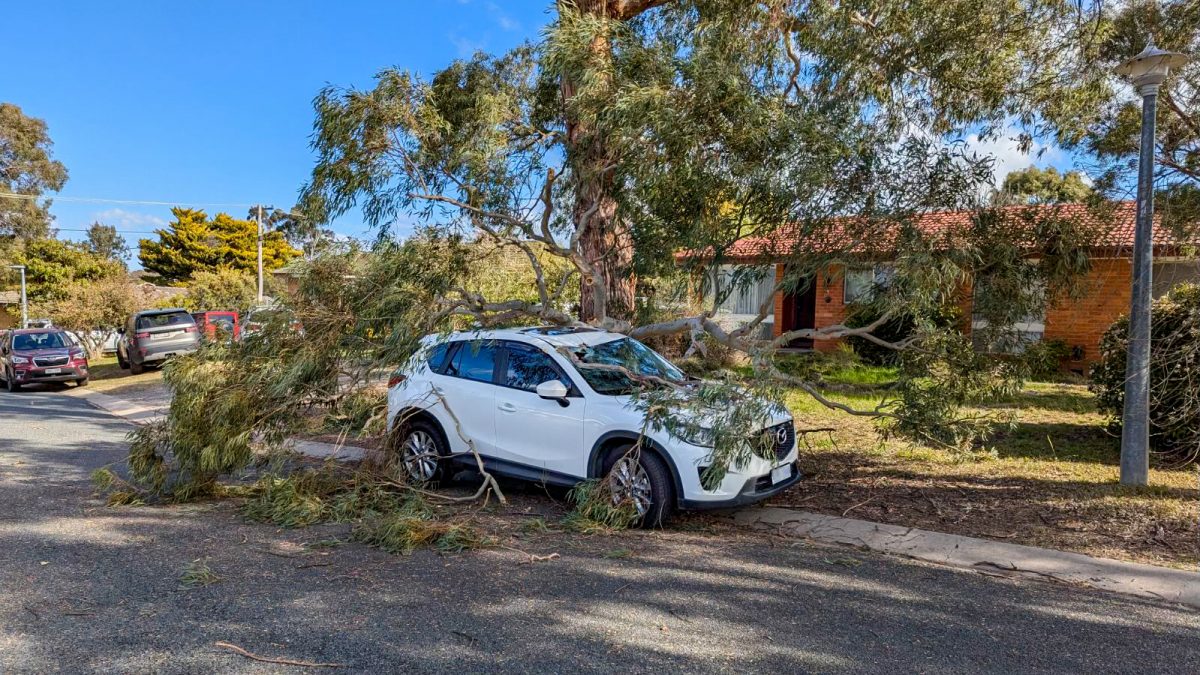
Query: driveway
x,y
86,588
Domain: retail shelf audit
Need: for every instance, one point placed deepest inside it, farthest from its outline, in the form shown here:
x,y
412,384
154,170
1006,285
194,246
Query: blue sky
x,y
203,103
211,101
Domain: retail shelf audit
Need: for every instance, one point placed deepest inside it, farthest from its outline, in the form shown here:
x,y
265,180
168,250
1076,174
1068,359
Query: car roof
x,y
555,336
169,310
33,331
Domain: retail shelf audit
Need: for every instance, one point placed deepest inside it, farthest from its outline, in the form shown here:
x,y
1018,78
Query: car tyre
x,y
10,382
419,453
136,368
81,383
644,478
124,365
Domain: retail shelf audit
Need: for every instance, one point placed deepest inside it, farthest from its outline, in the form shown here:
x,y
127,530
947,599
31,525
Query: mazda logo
x,y
781,436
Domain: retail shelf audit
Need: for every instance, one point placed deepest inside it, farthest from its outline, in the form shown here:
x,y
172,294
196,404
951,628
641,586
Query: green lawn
x,y
107,376
1049,480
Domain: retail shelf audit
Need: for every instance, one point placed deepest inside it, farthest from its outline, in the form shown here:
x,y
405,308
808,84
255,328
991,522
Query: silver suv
x,y
153,336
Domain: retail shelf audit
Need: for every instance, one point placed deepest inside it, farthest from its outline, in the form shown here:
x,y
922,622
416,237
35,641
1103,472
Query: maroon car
x,y
41,355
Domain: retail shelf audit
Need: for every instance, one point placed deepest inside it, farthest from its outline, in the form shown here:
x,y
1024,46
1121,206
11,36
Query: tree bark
x,y
604,240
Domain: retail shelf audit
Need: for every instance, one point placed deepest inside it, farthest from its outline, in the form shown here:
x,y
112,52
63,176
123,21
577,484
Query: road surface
x,y
86,588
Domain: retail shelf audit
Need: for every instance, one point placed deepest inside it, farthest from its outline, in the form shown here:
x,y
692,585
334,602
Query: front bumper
x,y
752,491
34,374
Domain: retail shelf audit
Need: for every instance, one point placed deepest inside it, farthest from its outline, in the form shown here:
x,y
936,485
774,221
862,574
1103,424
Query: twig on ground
x,y
862,503
265,659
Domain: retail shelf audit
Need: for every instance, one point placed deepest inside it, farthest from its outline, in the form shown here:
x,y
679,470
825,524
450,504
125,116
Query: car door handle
x,y
507,407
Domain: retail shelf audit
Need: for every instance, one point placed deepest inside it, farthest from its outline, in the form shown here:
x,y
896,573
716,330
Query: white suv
x,y
532,414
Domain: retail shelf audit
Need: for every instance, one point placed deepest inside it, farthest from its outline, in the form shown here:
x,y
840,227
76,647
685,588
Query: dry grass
x,y
110,378
1052,480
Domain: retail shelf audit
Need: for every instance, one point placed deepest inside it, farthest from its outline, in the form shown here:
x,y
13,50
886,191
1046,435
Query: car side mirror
x,y
554,390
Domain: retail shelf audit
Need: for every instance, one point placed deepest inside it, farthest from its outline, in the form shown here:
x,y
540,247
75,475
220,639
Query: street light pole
x,y
24,299
1147,71
258,218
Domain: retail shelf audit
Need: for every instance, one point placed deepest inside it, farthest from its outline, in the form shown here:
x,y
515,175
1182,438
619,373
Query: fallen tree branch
x,y
266,659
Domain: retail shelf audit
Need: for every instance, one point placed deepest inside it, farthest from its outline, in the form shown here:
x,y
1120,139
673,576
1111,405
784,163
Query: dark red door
x,y
800,312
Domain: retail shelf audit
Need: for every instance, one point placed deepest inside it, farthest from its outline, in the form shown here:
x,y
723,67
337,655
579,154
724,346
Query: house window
x,y
743,289
862,282
1016,337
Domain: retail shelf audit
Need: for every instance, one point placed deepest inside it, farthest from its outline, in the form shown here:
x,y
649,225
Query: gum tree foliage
x,y
357,311
1110,132
636,131
193,242
27,168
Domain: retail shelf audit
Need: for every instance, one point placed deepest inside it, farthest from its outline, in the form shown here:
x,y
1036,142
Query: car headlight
x,y
698,436
23,360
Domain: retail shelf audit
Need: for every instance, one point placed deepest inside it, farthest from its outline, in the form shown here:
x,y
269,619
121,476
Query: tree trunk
x,y
606,243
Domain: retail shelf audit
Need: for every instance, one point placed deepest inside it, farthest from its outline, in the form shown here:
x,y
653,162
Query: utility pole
x,y
258,218
24,299
1147,71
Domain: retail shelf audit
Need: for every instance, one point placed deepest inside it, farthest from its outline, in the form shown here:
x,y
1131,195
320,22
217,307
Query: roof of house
x,y
1110,226
10,297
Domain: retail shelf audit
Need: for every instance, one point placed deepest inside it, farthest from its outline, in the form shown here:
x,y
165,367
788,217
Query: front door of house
x,y
800,312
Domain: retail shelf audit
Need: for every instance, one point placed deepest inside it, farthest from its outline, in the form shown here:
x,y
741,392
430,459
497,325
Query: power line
x,y
99,200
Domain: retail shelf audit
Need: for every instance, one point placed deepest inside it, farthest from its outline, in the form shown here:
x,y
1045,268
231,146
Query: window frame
x,y
868,294
502,372
457,346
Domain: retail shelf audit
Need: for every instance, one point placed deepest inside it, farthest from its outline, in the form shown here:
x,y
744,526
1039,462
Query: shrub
x,y
1044,359
1174,375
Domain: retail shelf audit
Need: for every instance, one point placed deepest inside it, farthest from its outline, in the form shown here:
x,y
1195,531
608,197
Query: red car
x,y
41,355
210,323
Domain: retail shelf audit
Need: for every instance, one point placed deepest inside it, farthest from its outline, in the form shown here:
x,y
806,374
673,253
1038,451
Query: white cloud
x,y
123,219
1005,149
466,48
504,21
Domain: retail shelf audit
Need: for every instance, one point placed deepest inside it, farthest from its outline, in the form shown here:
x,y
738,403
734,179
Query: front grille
x,y
780,438
50,361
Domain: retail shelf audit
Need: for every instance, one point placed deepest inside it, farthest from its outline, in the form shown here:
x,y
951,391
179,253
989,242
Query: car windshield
x,y
148,321
629,354
30,341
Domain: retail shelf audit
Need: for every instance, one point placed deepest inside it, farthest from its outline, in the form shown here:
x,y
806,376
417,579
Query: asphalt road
x,y
86,588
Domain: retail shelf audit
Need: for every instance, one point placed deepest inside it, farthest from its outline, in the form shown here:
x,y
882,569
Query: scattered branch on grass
x,y
197,574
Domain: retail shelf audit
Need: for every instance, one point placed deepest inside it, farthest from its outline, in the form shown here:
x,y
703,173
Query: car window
x,y
28,341
631,357
147,321
474,360
528,367
437,357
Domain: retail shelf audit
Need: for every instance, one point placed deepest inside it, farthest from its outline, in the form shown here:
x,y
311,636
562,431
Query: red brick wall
x,y
1081,322
1077,322
829,286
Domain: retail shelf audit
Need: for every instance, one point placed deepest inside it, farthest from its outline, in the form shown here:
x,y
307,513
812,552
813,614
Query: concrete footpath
x,y
983,555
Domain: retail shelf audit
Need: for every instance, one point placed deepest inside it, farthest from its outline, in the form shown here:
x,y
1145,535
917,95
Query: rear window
x,y
150,321
30,341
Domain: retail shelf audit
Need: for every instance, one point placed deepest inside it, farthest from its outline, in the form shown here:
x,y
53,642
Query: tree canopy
x,y
104,241
28,169
1044,186
1109,132
193,243
224,289
52,265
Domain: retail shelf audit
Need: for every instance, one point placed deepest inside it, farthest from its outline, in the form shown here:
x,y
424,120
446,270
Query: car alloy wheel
x,y
629,483
419,453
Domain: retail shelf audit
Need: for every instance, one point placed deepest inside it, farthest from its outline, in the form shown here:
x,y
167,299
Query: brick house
x,y
1079,322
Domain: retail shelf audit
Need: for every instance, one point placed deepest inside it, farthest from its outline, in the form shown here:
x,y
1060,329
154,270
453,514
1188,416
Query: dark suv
x,y
154,336
41,355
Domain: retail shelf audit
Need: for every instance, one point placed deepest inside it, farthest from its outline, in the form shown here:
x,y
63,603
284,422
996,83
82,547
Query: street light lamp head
x,y
1148,69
